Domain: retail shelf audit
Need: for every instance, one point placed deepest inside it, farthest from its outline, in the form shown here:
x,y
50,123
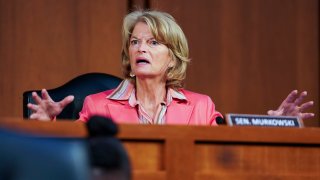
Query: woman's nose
x,y
142,47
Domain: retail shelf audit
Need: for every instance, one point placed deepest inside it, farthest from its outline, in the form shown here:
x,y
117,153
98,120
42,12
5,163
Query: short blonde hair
x,y
165,29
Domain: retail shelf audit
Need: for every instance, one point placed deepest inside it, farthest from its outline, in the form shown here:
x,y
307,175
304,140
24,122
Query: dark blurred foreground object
x,y
79,87
30,158
109,158
100,126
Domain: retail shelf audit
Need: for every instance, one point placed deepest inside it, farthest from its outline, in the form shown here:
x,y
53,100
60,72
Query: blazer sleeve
x,y
86,111
212,113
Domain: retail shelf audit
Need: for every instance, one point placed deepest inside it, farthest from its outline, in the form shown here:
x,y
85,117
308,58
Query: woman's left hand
x,y
293,106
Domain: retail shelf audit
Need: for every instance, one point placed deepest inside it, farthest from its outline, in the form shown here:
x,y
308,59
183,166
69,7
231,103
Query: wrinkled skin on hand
x,y
293,105
45,108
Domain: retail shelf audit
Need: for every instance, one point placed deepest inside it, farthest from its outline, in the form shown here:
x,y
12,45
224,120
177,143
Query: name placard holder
x,y
263,120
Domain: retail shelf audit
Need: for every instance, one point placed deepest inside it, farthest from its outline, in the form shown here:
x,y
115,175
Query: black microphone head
x,y
101,126
109,157
105,152
220,120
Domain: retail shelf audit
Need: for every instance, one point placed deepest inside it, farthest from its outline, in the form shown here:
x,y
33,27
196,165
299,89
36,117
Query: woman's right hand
x,y
45,108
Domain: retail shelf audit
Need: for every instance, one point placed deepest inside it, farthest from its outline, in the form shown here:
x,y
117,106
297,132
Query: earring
x,y
132,75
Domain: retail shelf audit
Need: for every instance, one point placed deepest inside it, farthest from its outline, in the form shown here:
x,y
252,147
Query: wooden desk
x,y
202,152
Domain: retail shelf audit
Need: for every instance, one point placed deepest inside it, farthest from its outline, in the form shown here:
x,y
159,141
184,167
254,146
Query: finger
x,y
306,115
291,97
33,107
45,95
36,98
275,113
299,100
36,116
306,105
66,101
33,116
270,112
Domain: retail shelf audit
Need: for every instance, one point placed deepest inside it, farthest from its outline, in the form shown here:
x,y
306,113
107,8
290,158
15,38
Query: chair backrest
x,y
80,87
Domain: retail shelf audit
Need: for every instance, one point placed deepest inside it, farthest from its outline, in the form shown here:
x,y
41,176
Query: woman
x,y
155,55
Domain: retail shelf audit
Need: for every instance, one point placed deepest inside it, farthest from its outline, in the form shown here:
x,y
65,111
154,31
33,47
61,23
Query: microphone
x,y
99,126
221,120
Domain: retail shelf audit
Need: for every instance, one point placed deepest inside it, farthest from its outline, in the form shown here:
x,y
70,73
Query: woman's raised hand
x,y
45,108
293,106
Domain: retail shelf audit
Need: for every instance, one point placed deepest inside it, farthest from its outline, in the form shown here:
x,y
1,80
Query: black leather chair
x,y
80,87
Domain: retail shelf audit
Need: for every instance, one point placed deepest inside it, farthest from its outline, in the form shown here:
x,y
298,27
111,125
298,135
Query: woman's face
x,y
148,57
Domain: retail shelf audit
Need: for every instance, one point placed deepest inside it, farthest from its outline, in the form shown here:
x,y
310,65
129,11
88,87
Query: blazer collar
x,y
126,92
177,113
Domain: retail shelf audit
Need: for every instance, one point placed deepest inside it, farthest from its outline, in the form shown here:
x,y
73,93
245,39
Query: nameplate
x,y
263,120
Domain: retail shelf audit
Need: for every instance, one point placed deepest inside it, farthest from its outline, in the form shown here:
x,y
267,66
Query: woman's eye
x,y
134,42
154,42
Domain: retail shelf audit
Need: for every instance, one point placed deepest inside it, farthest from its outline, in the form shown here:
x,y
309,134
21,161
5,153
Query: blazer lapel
x,y
179,113
123,113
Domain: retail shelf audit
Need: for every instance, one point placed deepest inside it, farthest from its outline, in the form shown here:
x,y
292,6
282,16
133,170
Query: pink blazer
x,y
198,110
